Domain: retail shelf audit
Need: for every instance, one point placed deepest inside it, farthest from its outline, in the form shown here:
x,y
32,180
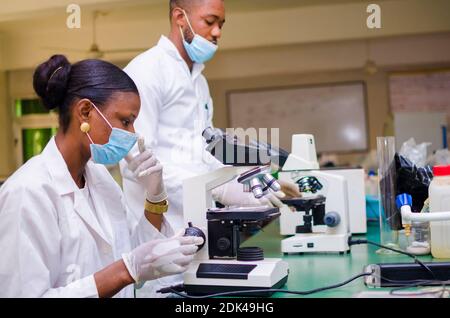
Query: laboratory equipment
x,y
390,218
259,180
230,151
404,202
299,164
402,274
419,238
222,265
322,229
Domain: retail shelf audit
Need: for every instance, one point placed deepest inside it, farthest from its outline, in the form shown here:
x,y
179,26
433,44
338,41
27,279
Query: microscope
x,y
322,230
319,220
300,163
221,265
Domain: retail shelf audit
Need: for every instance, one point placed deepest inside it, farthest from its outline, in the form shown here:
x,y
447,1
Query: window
x,y
34,126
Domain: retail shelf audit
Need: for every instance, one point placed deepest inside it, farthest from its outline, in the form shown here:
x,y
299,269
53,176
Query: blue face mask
x,y
119,145
200,50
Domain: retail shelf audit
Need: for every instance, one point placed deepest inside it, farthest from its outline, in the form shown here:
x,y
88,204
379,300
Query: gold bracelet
x,y
156,208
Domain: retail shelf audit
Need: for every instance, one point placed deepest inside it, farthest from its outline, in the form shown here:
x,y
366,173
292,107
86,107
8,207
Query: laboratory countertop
x,y
311,271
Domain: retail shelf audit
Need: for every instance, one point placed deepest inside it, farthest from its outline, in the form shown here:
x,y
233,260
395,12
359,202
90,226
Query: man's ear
x,y
178,17
83,110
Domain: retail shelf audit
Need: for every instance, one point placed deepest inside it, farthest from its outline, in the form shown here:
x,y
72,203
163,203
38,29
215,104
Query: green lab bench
x,y
314,270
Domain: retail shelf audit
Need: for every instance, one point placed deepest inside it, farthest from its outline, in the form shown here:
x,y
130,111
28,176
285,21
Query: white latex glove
x,y
232,194
159,258
272,199
148,172
290,189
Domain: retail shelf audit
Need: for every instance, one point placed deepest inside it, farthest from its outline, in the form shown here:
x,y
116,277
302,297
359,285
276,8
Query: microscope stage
x,y
242,213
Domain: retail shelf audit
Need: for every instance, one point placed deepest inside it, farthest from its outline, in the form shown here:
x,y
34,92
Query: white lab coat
x,y
176,107
51,242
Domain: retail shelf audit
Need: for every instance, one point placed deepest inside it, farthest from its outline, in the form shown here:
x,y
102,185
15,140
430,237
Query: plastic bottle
x,y
439,195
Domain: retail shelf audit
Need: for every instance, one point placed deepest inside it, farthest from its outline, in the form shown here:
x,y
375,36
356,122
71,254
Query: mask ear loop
x,y
189,23
104,118
90,139
181,31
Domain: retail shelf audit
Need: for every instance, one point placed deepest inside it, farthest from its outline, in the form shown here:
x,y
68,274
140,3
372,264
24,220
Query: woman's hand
x,y
159,258
148,172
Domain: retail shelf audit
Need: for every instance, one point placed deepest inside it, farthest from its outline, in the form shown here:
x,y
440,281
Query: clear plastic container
x,y
391,230
439,196
419,238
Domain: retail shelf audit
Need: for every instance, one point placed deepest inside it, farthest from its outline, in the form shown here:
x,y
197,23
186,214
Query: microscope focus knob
x,y
223,243
332,219
195,231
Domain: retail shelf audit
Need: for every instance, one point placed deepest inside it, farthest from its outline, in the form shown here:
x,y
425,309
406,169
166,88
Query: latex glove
x,y
272,199
147,170
159,258
232,194
290,189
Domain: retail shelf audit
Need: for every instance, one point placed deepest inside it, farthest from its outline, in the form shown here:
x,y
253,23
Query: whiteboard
x,y
334,114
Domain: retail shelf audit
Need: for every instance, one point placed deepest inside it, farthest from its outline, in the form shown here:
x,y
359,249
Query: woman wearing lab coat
x,y
64,226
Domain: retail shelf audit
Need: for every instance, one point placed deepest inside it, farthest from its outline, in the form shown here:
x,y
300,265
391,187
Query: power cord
x,y
442,290
357,242
179,288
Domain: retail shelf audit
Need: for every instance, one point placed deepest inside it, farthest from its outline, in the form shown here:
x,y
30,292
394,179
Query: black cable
x,y
176,290
422,284
350,242
414,283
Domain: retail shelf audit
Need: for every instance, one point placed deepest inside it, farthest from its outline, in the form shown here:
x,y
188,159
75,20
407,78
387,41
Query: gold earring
x,y
85,127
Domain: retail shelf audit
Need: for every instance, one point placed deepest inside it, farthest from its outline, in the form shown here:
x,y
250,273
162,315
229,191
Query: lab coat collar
x,y
171,49
58,169
61,177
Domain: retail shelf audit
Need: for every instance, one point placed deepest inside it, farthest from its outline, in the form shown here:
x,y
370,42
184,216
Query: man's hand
x,y
290,189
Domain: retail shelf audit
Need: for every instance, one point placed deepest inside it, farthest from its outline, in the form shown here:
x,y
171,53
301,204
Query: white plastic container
x,y
439,195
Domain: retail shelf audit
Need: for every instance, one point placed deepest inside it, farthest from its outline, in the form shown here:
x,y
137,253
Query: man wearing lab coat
x,y
176,107
175,103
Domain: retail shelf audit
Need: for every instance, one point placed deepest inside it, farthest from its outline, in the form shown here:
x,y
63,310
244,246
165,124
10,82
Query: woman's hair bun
x,y
50,81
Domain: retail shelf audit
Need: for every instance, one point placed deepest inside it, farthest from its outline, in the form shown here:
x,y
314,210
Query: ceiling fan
x,y
94,51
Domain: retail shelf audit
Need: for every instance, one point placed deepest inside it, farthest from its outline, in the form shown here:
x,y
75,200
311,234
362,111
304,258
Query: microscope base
x,y
316,242
217,276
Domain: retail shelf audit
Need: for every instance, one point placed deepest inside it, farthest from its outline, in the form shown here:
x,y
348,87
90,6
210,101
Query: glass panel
x,y
35,140
25,107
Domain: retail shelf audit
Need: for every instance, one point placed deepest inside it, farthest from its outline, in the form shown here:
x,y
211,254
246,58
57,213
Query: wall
x,y
377,95
139,26
6,140
301,64
327,63
281,47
